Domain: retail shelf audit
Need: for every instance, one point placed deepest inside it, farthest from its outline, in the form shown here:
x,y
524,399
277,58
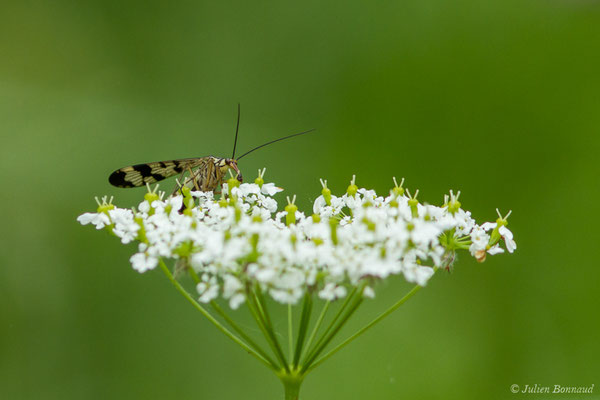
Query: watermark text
x,y
552,389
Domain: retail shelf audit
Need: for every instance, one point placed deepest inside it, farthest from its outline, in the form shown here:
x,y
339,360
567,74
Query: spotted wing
x,y
140,174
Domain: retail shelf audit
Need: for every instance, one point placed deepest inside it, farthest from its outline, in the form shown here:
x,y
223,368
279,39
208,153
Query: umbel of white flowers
x,y
241,238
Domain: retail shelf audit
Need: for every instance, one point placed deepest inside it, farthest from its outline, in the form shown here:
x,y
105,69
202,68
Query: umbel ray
x,y
205,173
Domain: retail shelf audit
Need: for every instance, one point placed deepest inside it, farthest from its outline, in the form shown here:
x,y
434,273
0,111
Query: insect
x,y
205,173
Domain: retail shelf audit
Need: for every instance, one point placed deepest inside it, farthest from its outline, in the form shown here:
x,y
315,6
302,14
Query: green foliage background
x,y
499,99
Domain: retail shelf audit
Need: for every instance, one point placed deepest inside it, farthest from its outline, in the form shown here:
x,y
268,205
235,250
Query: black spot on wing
x,y
143,169
117,179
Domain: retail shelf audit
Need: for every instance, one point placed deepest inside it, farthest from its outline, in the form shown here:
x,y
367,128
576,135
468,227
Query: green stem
x,y
368,326
356,303
304,322
268,333
263,307
292,392
212,319
243,334
194,275
290,332
331,324
291,385
317,325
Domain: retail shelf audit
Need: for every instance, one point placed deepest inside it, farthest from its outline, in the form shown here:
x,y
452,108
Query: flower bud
x,y
104,206
398,190
333,224
352,189
413,203
151,197
231,183
152,194
453,203
326,192
291,209
259,180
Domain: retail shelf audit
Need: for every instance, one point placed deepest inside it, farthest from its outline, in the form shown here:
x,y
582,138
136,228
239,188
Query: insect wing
x,y
140,174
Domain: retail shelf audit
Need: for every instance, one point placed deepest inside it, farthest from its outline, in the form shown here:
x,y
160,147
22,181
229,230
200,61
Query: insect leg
x,y
193,178
180,184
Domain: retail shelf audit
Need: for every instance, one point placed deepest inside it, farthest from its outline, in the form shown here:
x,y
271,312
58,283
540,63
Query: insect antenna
x,y
237,128
273,141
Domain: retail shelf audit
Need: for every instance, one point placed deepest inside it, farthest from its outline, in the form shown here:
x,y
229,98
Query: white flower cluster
x,y
241,239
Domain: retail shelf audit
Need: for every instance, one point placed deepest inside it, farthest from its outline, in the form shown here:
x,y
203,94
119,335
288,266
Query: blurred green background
x,y
499,99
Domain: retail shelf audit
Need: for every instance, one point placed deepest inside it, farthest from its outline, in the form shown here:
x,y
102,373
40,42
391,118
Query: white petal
x,y
270,189
319,204
495,250
488,225
505,232
86,218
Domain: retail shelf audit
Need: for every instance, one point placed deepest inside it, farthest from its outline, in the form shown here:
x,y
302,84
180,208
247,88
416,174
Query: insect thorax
x,y
209,175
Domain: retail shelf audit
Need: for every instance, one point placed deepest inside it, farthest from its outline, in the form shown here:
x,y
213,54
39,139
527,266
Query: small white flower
x,y
100,220
368,292
143,262
144,206
203,196
479,240
125,226
331,292
231,286
320,206
207,292
418,274
286,296
236,300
